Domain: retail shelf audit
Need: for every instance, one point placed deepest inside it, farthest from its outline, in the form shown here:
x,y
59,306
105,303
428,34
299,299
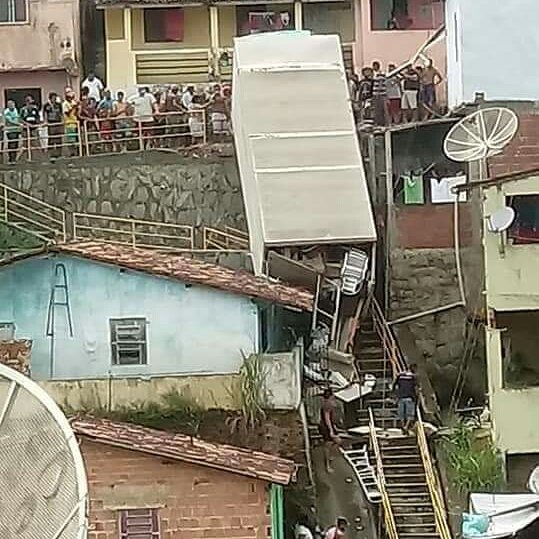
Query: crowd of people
x,y
98,121
395,96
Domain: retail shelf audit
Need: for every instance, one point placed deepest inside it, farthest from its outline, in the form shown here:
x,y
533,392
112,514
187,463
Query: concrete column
x,y
298,15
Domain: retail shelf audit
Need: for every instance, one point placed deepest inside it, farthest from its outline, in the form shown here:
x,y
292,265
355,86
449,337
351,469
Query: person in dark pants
x,y
327,427
13,130
405,388
53,116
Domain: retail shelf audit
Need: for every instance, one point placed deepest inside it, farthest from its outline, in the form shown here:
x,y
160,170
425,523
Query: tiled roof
x,y
185,269
522,152
184,448
16,354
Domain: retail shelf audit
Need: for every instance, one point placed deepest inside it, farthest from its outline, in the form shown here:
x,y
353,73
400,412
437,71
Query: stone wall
x,y
199,191
424,279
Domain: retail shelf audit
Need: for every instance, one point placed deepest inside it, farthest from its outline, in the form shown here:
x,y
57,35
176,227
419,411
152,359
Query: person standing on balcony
x,y
430,78
405,388
394,94
328,426
144,107
379,95
410,94
365,92
12,129
94,85
70,109
187,97
52,114
31,120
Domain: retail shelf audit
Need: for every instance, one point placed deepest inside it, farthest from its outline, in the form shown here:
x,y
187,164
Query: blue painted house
x,y
95,310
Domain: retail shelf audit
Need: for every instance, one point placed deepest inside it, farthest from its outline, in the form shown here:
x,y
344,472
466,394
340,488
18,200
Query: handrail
x,y
440,515
136,236
391,347
20,208
389,518
219,239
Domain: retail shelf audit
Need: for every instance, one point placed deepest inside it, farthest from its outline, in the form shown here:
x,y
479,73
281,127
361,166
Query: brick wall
x,y
523,151
431,226
194,501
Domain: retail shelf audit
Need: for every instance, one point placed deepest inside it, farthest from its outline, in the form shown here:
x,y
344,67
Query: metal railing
x,y
134,232
32,215
437,499
389,517
389,342
170,131
231,239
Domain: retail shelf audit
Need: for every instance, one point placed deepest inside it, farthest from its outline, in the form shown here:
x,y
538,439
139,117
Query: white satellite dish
x,y
533,481
501,219
481,134
42,476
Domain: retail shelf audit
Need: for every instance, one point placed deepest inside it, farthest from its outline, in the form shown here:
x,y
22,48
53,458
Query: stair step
x,y
418,535
418,514
400,466
417,525
396,503
407,485
401,475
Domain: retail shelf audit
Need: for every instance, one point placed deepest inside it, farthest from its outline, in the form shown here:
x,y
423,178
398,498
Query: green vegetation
x,y
252,390
474,464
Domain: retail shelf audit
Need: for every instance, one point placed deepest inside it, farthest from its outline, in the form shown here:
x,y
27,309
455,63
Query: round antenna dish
x,y
501,219
42,472
481,134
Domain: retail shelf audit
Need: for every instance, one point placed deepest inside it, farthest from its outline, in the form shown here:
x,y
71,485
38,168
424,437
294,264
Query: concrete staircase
x,y
412,503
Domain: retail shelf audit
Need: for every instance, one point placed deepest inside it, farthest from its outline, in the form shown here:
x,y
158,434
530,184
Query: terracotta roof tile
x,y
16,354
189,270
184,448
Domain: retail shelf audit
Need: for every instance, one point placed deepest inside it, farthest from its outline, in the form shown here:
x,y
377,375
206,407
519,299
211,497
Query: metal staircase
x,y
412,503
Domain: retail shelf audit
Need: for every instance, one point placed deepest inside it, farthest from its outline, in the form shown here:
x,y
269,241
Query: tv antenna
x,y
475,138
42,473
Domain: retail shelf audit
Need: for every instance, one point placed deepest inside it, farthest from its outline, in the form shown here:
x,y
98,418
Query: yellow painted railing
x,y
389,518
231,239
32,215
440,515
134,232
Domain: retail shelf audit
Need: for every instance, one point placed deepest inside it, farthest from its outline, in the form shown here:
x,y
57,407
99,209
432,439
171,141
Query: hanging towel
x,y
441,189
413,188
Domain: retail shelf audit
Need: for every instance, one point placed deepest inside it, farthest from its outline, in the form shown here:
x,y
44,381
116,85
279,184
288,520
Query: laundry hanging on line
x,y
413,188
441,189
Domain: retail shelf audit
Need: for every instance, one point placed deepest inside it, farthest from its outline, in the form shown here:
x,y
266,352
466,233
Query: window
x,y
12,11
259,18
19,94
406,14
139,524
7,331
128,341
330,18
163,25
525,227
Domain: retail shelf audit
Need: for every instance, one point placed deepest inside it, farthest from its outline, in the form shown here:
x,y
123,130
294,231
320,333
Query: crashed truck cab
x,y
306,198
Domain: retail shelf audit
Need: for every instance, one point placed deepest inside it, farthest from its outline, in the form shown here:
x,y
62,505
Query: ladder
x,y
328,292
59,297
359,460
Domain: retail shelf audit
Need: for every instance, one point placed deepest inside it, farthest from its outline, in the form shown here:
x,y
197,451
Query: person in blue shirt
x,y
12,129
405,388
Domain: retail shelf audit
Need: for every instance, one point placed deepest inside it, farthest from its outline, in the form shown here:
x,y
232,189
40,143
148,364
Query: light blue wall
x,y
191,329
498,42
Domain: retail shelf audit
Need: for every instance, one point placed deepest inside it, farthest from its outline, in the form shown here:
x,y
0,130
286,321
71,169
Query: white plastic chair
x,y
354,271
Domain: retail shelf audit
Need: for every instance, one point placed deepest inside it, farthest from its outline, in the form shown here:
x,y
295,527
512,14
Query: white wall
x,y
499,43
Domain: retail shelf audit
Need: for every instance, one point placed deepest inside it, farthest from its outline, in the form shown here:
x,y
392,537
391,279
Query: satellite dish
x,y
481,134
501,219
42,474
533,481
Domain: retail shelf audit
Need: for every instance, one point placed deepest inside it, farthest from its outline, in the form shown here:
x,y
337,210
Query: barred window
x,y
139,524
128,341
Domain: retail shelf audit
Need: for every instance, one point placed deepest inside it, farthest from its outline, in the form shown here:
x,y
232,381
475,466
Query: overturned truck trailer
x,y
300,165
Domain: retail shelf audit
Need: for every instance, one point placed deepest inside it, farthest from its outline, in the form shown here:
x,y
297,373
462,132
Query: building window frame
x,y
12,13
128,340
141,517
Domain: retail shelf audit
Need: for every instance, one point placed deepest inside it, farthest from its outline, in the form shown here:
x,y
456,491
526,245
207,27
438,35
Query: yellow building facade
x,y
512,336
171,43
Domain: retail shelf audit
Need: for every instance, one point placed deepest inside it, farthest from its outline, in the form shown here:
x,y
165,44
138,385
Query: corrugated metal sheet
x,y
301,170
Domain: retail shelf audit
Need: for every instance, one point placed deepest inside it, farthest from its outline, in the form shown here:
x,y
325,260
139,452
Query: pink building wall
x,y
393,46
34,52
